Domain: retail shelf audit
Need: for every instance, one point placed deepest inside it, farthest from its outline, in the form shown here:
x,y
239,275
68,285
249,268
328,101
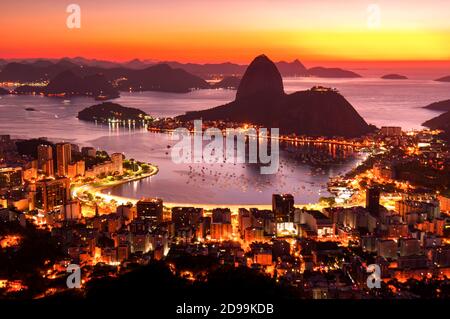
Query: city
x,y
207,159
392,218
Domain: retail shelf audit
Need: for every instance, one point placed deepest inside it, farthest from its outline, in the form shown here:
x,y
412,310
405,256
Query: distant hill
x,y
107,111
444,79
294,68
394,77
439,106
67,76
161,77
322,72
260,99
71,84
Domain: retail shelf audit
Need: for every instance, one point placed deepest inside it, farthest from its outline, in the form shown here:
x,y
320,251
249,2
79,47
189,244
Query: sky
x,y
216,31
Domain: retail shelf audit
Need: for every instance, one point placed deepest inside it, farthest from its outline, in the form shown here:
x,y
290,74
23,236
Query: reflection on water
x,y
225,183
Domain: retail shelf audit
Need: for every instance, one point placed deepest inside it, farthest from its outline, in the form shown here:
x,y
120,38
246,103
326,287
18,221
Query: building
x,y
391,131
76,169
373,200
44,153
383,171
63,157
117,162
283,207
72,210
186,217
317,222
51,194
409,247
88,151
430,208
221,231
244,220
444,202
387,248
150,209
11,177
48,168
221,215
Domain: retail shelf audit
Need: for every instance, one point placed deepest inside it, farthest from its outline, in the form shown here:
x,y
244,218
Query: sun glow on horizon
x,y
204,31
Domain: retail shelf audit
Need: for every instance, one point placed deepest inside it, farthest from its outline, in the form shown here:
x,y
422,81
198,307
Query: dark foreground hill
x,y
441,122
261,100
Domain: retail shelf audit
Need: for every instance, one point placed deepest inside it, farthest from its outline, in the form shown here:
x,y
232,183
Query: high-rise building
x,y
45,153
373,200
117,161
151,209
81,168
51,194
221,215
283,207
10,177
63,157
186,216
48,168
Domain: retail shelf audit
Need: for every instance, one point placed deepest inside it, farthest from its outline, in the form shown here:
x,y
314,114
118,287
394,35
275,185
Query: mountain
x,y
261,76
104,112
444,79
439,106
229,82
209,70
206,71
71,84
394,77
261,100
3,91
322,72
294,68
441,122
135,64
161,77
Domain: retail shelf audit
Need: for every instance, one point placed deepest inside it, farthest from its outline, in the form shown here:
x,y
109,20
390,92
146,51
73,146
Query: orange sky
x,y
217,31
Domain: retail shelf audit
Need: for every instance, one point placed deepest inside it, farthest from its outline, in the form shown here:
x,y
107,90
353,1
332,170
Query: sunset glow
x,y
198,31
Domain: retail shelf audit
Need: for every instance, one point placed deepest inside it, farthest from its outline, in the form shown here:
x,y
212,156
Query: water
x,y
380,102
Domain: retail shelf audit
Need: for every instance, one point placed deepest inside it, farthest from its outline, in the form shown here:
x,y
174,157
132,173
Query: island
x,y
439,106
261,100
108,112
322,72
394,76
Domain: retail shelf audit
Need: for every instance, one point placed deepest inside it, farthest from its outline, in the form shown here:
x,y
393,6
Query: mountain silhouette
x,y
262,76
261,100
439,106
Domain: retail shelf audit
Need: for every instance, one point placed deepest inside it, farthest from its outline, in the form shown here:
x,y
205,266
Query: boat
x,y
30,109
